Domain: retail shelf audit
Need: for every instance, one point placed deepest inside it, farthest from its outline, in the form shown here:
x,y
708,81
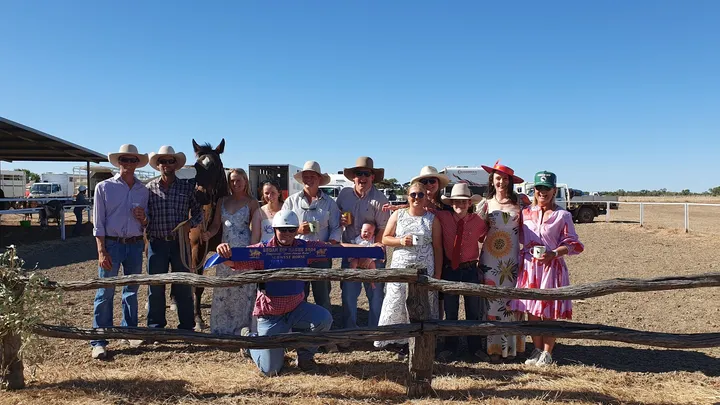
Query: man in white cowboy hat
x,y
118,222
319,221
364,203
171,199
461,234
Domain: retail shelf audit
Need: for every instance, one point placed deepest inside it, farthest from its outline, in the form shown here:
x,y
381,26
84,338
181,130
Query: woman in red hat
x,y
501,209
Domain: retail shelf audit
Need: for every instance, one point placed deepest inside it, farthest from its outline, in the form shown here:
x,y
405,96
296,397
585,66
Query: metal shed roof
x,y
19,142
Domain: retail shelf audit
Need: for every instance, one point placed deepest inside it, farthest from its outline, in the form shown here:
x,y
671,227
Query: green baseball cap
x,y
545,178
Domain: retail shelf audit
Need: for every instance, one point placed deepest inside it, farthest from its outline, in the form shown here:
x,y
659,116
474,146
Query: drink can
x,y
348,217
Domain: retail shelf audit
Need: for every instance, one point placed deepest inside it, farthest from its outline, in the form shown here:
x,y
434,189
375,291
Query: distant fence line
x,y
422,331
642,205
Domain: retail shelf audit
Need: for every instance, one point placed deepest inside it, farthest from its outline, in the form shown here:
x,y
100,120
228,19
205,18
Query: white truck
x,y
337,183
12,183
475,176
584,208
53,185
281,175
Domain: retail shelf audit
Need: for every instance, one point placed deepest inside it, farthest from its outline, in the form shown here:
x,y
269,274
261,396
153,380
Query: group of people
x,y
495,240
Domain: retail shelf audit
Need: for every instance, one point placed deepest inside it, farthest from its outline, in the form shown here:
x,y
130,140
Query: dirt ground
x,y
587,372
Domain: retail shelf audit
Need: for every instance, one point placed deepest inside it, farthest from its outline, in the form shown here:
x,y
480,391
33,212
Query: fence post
x,y
607,211
11,365
62,223
642,212
422,348
687,217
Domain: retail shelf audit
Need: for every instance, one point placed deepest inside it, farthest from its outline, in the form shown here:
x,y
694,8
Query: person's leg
x,y
321,288
182,292
309,316
375,293
349,296
103,304
537,340
548,343
77,230
158,262
131,265
270,361
472,307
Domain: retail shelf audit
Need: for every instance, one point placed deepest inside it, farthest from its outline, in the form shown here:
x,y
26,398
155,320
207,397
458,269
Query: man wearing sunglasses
x,y
319,221
118,221
279,306
171,201
364,202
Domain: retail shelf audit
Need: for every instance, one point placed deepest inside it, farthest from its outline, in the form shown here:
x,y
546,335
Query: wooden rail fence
x,y
422,331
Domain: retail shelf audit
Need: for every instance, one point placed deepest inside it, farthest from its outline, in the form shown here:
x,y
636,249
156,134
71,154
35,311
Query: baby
x,y
366,239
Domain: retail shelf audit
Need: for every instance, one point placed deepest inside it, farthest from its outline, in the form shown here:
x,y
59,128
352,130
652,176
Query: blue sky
x,y
608,95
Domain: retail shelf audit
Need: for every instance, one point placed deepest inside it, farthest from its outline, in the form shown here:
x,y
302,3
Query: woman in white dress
x,y
416,237
239,215
272,203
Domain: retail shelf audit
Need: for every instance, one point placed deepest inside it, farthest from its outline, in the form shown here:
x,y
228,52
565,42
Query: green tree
x,y
31,176
685,192
389,183
715,191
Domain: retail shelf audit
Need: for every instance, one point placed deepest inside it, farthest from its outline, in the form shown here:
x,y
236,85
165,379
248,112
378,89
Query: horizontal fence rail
x,y
564,329
642,204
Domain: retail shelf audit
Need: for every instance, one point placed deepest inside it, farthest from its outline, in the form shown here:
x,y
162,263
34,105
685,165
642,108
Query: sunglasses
x,y
431,180
287,230
363,173
418,196
166,161
542,188
124,159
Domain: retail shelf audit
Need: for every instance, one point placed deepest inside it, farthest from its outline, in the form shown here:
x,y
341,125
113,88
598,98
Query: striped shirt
x,y
168,207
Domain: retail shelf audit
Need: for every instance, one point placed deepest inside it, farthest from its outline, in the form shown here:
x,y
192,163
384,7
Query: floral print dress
x,y
394,311
557,230
499,265
232,307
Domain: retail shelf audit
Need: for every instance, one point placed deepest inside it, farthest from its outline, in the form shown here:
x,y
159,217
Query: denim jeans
x,y
320,288
351,292
77,230
305,317
473,306
161,255
131,257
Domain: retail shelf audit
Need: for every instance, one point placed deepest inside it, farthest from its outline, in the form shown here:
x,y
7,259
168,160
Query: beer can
x,y
348,217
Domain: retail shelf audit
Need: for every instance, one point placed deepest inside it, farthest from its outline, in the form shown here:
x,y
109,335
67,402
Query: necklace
x,y
504,201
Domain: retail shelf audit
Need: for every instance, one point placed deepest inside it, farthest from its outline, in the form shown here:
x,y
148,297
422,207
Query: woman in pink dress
x,y
550,227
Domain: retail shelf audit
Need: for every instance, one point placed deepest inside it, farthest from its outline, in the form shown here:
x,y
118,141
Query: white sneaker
x,y
544,360
534,357
99,352
133,342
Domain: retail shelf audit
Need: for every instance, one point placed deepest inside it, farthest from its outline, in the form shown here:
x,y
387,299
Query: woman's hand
x,y
390,208
224,250
548,257
406,240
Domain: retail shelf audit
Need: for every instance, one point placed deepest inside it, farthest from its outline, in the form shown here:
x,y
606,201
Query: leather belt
x,y
126,241
167,238
465,265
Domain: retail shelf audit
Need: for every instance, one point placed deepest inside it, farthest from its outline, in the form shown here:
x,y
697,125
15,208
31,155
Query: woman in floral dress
x,y
546,225
402,226
239,216
499,255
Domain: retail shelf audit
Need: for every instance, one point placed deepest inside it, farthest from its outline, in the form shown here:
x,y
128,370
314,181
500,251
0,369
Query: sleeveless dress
x,y
499,264
267,230
232,307
394,311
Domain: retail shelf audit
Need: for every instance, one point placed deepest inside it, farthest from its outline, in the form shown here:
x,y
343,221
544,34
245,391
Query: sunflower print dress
x,y
499,265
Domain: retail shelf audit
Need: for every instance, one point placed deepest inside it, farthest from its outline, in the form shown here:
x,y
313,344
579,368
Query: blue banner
x,y
282,256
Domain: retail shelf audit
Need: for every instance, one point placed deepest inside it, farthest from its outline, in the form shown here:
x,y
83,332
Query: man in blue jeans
x,y
118,221
170,201
279,306
362,203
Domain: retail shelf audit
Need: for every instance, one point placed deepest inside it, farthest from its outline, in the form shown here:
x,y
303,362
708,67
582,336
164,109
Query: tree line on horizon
x,y
663,192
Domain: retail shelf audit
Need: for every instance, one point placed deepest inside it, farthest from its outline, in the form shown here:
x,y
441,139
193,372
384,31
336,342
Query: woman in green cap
x,y
547,234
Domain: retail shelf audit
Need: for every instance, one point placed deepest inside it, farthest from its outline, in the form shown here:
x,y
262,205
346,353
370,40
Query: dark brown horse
x,y
210,186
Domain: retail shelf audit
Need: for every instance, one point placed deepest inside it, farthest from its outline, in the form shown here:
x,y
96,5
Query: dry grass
x,y
588,372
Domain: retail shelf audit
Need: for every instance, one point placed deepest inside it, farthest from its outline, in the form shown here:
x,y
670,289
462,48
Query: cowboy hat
x,y
461,191
128,149
505,170
312,166
364,162
431,171
167,151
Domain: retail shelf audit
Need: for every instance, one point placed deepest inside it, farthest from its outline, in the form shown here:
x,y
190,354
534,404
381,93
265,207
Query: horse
x,y
210,185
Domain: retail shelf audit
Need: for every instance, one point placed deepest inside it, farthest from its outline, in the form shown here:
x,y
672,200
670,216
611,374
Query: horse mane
x,y
205,148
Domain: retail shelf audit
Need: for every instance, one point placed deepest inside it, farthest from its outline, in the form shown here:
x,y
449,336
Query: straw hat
x,y
505,170
312,166
125,150
461,191
364,162
167,151
431,171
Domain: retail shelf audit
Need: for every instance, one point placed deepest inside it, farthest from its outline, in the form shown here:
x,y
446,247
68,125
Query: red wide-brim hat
x,y
503,169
